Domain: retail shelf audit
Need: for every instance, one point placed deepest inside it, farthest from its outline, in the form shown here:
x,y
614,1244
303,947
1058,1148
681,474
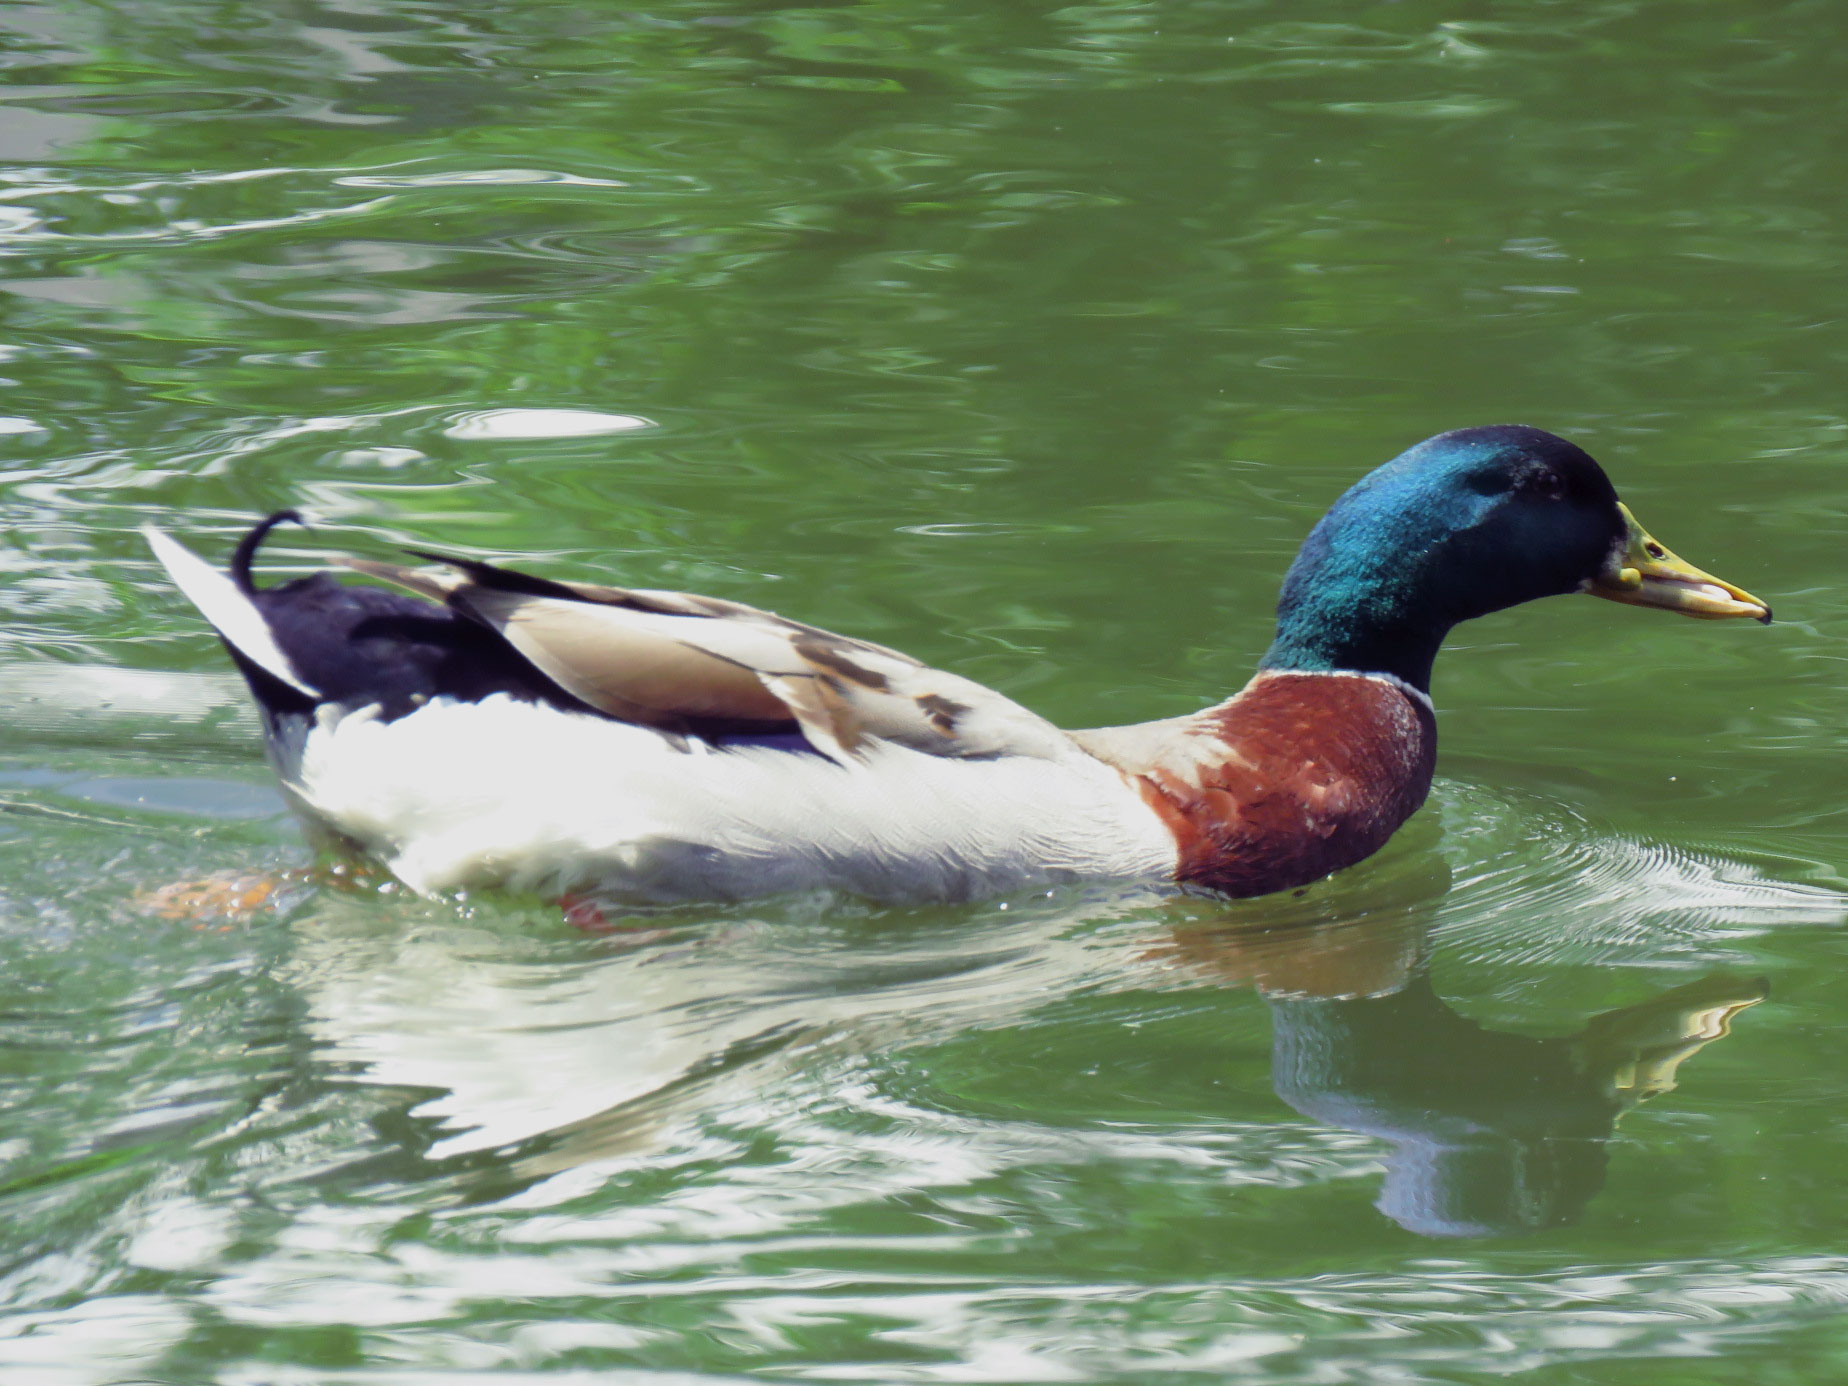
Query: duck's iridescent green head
x,y
1464,524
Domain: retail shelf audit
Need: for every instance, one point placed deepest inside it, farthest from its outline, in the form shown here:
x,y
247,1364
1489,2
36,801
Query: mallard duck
x,y
474,725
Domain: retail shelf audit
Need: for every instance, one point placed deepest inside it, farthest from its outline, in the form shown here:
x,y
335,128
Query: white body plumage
x,y
503,792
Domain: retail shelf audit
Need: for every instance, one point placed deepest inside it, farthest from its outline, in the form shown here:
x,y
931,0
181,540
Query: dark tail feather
x,y
500,579
247,548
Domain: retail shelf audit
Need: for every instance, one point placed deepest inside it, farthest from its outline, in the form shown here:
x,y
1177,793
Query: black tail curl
x,y
247,547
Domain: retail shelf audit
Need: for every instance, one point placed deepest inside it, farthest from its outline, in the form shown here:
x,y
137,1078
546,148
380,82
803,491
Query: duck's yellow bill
x,y
1647,574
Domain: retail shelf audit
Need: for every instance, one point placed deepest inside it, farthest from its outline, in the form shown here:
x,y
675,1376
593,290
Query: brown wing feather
x,y
593,653
677,660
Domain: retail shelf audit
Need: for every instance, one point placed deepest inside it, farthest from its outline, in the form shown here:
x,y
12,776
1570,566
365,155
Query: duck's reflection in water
x,y
1491,1132
559,1050
546,1054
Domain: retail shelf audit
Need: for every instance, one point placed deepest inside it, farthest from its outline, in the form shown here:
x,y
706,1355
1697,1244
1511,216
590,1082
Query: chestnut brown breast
x,y
1297,776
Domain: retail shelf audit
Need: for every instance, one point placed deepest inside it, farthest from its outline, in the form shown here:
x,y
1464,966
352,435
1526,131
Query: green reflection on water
x,y
1030,340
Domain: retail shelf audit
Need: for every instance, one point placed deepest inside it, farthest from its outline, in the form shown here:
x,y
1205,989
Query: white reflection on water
x,y
1424,1325
518,1047
542,423
474,177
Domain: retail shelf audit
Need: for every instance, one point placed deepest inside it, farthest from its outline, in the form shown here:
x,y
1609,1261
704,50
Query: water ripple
x,y
1538,885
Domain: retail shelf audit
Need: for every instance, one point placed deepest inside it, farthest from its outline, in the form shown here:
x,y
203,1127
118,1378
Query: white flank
x,y
232,614
502,792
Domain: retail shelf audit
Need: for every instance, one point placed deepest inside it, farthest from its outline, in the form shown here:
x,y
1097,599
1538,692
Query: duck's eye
x,y
1548,486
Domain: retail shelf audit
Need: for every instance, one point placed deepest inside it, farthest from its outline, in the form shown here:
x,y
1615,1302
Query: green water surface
x,y
1029,339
